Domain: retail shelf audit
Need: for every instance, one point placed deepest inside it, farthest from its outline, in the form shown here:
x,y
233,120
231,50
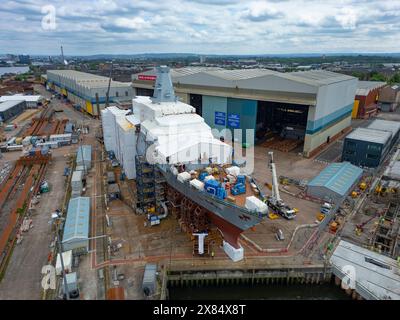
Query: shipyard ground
x,y
22,279
135,244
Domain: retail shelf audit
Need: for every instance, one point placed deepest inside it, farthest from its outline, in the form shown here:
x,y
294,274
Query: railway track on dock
x,y
15,197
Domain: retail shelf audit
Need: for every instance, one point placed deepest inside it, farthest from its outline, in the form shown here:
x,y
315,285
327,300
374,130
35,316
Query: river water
x,y
17,70
326,291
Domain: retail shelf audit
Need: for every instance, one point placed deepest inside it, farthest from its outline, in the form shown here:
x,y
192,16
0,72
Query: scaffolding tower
x,y
150,186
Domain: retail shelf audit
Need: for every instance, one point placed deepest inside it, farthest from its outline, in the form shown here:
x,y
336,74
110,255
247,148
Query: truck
x,y
275,203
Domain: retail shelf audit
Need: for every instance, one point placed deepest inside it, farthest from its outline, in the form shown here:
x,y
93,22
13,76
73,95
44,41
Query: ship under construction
x,y
183,169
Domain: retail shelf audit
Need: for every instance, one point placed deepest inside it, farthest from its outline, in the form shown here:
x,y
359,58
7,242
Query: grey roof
x,y
386,125
370,135
87,153
19,97
338,177
364,87
375,273
179,72
86,79
4,106
77,222
313,78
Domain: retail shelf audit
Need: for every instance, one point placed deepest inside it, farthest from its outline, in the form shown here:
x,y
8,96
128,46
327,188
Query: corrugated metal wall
x,y
361,153
231,113
242,113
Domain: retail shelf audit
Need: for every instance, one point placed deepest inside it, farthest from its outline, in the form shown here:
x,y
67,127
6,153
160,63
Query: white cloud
x,y
135,23
201,26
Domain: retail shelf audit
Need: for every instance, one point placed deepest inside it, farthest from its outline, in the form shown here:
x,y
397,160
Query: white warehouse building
x,y
312,106
87,90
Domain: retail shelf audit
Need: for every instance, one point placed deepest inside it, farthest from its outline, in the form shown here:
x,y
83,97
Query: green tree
x,y
395,78
375,76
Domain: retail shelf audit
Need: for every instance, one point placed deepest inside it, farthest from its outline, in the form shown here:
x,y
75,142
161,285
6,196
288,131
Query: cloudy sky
x,y
199,26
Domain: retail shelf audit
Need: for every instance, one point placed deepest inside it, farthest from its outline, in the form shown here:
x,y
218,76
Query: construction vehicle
x,y
273,216
333,226
362,186
275,202
320,217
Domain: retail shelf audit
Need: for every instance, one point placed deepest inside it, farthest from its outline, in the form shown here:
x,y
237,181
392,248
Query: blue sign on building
x,y
233,120
220,118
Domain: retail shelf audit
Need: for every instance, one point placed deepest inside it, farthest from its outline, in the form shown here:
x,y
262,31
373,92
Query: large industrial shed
x,y
88,90
10,109
335,182
365,103
316,104
386,125
76,228
31,101
366,147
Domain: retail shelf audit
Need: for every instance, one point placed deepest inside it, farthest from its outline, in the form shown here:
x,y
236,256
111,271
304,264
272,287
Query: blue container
x,y
221,193
202,176
211,186
241,179
239,188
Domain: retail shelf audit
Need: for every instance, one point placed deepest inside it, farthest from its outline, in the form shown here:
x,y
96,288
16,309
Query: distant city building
x,y
24,59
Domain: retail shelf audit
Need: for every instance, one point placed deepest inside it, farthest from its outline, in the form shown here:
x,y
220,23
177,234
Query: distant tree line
x,y
377,76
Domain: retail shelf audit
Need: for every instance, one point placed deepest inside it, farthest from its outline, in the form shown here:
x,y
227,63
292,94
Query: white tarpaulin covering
x,y
185,138
110,133
126,146
255,204
145,109
67,261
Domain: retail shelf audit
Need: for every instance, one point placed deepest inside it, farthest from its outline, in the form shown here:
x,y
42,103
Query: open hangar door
x,y
281,125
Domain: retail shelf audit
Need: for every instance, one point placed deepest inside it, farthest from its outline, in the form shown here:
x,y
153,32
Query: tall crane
x,y
275,202
107,104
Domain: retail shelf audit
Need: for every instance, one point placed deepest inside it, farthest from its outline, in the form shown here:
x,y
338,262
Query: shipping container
x,y
76,181
84,156
60,137
26,141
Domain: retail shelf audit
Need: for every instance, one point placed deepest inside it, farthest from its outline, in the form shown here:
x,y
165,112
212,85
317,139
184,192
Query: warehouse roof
x,y
87,153
77,222
4,106
338,177
86,79
364,87
374,272
179,72
370,135
19,97
386,125
314,78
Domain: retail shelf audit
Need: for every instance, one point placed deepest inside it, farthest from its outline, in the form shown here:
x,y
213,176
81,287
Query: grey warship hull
x,y
228,217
